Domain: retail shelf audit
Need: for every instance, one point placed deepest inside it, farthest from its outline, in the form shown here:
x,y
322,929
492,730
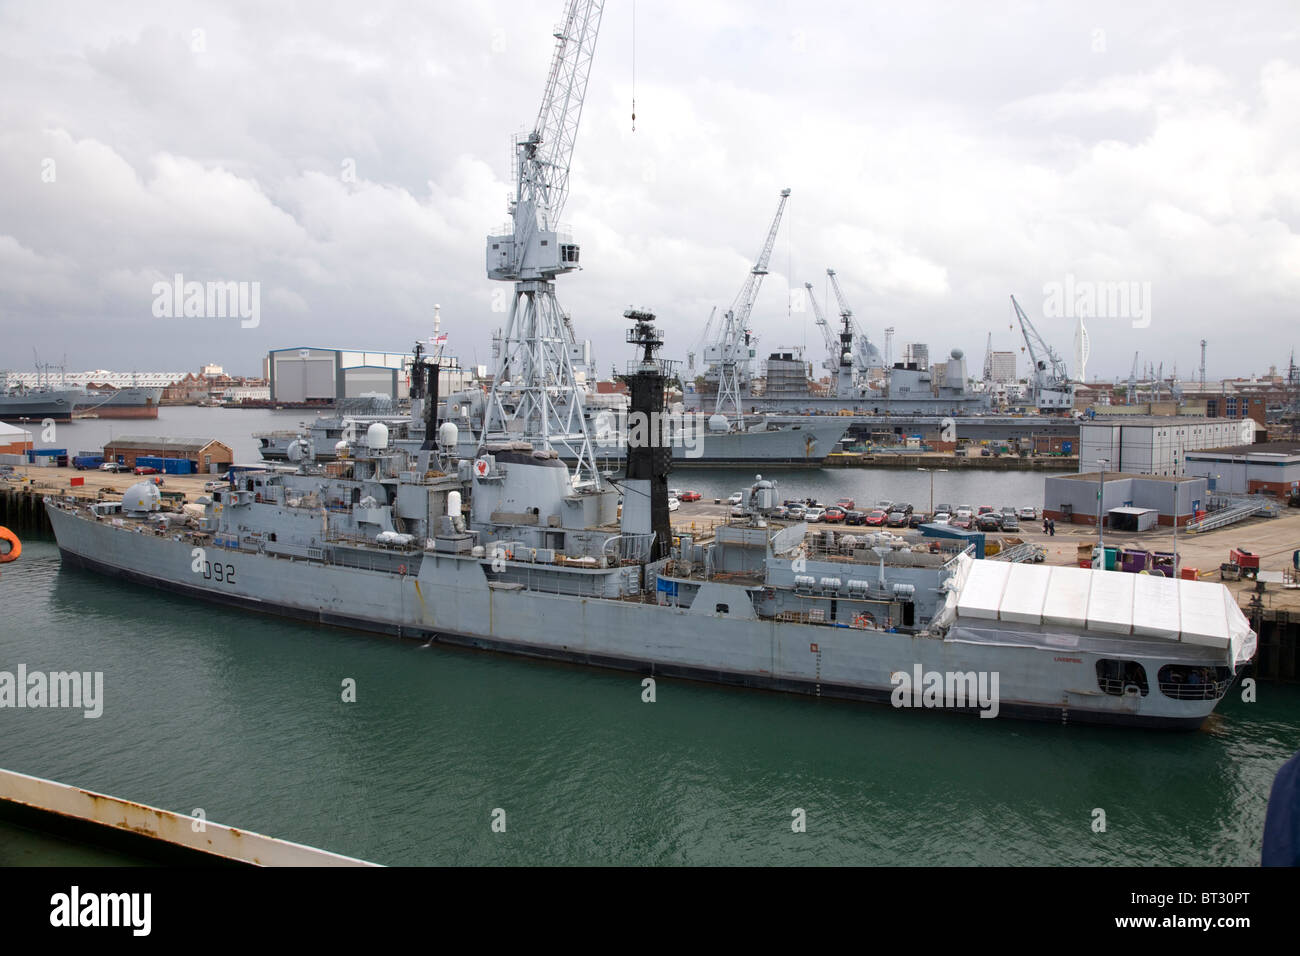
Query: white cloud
x,y
939,159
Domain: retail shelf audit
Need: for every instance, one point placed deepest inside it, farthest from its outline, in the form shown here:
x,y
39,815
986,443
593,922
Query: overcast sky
x,y
941,157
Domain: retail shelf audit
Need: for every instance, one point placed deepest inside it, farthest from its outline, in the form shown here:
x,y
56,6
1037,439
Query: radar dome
x,y
448,436
377,436
957,354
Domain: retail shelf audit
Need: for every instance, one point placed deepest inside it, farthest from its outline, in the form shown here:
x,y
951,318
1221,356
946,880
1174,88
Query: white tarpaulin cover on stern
x,y
1155,607
1111,602
1205,617
1067,596
1023,598
982,594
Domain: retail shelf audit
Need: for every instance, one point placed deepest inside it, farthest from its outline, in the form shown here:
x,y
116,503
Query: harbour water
x,y
242,716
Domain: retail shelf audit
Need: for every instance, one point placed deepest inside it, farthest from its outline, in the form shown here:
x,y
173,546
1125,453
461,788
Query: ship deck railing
x,y
361,540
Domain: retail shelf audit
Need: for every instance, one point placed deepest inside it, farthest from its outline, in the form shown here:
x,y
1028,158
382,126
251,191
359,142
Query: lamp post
x,y
1101,489
932,471
1175,514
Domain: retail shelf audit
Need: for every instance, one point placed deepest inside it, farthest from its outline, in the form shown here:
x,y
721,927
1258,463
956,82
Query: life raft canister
x,y
10,547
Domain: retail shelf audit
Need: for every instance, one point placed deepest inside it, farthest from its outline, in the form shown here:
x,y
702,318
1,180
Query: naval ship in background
x,y
23,400
758,440
20,402
511,549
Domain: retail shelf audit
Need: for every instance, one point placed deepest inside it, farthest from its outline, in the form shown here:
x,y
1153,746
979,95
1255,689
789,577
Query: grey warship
x,y
522,545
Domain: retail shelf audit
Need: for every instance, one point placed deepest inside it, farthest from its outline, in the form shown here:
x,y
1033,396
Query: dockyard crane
x,y
865,355
1049,381
1132,380
543,398
831,362
733,349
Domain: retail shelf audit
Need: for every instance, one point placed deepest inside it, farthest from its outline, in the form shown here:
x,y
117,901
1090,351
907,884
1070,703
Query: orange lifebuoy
x,y
15,549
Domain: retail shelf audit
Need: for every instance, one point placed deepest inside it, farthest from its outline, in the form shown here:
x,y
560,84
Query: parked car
x,y
813,513
989,521
1028,514
1010,522
674,503
738,511
946,509
885,506
877,518
113,466
795,512
902,506
145,470
675,493
779,513
962,523
940,517
985,509
916,519
896,519
855,517
737,498
833,514
846,503
689,496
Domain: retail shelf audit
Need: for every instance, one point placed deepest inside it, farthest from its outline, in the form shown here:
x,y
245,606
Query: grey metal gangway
x,y
1234,510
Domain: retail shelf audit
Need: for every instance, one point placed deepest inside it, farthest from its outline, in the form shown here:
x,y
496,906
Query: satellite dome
x,y
958,354
141,497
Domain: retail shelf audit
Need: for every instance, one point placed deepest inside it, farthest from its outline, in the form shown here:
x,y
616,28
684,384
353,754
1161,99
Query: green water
x,y
242,716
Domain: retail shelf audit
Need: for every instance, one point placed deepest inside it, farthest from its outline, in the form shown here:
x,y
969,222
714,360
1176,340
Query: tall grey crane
x,y
732,349
1049,380
543,402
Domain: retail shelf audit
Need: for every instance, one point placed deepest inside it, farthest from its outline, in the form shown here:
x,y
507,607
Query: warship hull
x,y
35,406
450,599
120,403
795,444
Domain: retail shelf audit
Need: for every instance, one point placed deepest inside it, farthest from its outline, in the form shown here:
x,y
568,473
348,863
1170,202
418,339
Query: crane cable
x,y
633,65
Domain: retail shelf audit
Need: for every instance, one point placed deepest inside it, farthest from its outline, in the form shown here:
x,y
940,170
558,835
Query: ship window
x,y
1115,677
722,608
1185,682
